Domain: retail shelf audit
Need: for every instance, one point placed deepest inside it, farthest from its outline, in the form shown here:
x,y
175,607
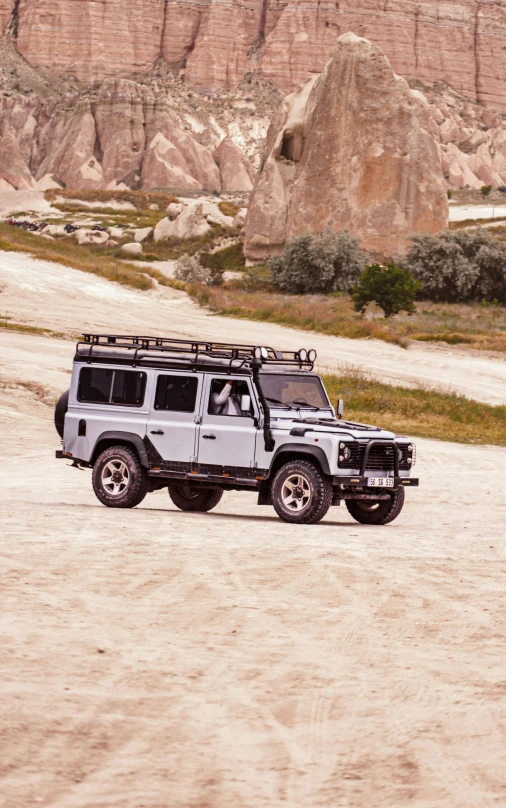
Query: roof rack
x,y
303,359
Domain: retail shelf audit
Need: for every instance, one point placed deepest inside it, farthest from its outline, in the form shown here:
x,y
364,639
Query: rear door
x,y
227,440
172,424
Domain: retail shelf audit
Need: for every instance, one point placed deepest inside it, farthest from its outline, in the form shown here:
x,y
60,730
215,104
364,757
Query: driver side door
x,y
227,441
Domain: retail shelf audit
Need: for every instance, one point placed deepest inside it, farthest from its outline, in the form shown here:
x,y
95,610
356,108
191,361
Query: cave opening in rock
x,y
292,146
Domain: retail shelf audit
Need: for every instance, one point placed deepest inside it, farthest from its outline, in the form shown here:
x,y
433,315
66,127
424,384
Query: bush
x,y
393,288
231,258
190,270
319,264
459,266
485,190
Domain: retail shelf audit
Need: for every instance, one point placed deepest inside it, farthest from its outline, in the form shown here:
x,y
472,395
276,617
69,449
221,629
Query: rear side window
x,y
176,393
123,387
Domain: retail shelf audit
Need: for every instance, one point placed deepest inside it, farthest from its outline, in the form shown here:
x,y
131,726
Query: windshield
x,y
297,391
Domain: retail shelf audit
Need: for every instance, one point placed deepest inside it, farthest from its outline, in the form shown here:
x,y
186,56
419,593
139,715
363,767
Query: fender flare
x,y
123,437
316,452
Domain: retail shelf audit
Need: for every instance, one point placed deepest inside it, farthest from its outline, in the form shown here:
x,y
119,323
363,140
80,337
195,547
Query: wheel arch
x,y
296,451
130,439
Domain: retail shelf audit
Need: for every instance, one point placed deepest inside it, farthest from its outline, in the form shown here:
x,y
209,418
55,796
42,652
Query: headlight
x,y
344,453
412,454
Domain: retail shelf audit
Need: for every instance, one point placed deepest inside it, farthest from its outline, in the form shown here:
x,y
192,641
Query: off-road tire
x,y
201,500
135,483
60,412
367,512
317,487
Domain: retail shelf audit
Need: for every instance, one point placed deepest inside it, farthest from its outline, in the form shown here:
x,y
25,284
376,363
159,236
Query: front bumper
x,y
360,481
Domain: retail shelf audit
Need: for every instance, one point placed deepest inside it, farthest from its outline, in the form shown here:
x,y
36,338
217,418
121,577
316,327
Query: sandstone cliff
x,y
457,41
350,150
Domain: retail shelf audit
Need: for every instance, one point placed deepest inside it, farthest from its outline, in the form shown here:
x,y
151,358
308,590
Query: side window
x,y
101,386
176,393
226,395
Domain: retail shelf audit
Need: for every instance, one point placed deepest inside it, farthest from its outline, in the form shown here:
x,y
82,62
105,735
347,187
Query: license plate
x,y
381,482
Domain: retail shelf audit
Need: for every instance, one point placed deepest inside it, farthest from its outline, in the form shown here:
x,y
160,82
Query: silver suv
x,y
201,418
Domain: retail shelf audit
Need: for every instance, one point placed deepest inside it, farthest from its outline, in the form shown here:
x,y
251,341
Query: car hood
x,y
346,429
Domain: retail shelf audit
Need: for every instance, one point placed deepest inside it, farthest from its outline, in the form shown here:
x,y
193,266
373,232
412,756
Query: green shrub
x,y
393,288
485,190
449,194
230,258
190,270
321,263
459,266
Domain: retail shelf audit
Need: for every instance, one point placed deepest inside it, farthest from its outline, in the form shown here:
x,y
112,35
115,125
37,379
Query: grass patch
x,y
229,208
230,259
482,327
141,200
417,412
7,325
95,260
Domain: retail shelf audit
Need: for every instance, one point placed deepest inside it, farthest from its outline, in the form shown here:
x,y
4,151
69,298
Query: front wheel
x,y
379,512
301,493
199,500
119,480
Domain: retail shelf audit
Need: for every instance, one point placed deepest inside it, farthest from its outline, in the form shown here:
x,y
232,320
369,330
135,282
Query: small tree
x,y
393,288
190,270
318,264
485,190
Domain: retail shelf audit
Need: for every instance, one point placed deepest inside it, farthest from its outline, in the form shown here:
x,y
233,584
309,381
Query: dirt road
x,y
155,659
45,294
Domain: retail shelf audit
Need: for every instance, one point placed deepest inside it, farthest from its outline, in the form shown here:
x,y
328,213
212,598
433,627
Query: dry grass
x,y
416,412
229,208
96,260
141,200
474,325
8,325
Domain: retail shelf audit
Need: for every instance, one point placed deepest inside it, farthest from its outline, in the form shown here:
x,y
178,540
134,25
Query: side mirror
x,y
340,408
246,404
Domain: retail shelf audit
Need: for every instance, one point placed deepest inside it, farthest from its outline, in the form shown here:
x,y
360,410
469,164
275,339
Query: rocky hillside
x,y
141,93
460,42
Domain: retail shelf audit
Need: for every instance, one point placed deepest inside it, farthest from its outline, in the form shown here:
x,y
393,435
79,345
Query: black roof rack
x,y
193,350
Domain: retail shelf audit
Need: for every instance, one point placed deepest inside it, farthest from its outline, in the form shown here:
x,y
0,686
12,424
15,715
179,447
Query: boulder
x,y
240,217
350,150
142,234
133,248
189,224
91,237
237,173
174,209
54,230
116,232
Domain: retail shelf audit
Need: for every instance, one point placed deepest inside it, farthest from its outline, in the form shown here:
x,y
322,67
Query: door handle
x,y
209,437
157,432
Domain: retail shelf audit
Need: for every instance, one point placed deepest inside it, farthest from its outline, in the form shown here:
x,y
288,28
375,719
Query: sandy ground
x,y
458,213
153,659
66,300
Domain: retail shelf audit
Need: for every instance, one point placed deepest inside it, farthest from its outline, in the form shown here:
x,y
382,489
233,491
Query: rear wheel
x,y
119,480
301,493
199,500
379,512
60,411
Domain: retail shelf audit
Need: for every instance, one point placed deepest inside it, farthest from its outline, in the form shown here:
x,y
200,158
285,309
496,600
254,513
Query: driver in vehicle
x,y
227,401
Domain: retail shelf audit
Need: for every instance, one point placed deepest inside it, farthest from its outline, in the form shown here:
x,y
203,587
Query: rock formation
x,y
350,150
126,135
460,41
